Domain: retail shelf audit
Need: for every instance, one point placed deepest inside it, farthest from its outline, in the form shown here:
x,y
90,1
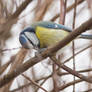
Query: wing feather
x,y
49,36
51,25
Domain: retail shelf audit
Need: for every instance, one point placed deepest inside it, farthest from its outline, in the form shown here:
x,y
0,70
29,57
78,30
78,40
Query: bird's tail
x,y
86,36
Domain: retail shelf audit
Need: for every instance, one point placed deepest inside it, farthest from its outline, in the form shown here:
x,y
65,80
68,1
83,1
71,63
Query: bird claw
x,y
38,55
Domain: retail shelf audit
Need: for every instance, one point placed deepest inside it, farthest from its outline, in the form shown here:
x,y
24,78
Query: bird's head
x,y
28,38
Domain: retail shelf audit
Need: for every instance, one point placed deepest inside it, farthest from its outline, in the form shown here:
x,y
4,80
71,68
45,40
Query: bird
x,y
43,34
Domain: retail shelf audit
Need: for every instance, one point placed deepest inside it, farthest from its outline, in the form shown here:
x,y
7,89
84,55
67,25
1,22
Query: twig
x,y
69,84
71,71
68,9
54,77
42,83
21,87
20,9
81,71
4,50
77,53
89,90
73,44
11,20
43,9
28,84
3,68
17,61
62,11
34,83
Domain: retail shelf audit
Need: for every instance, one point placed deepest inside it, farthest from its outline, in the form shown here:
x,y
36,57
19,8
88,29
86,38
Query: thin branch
x,y
62,11
81,71
42,83
89,90
34,82
70,84
21,87
19,58
20,9
3,68
11,20
43,9
55,79
26,85
71,71
68,9
5,50
77,53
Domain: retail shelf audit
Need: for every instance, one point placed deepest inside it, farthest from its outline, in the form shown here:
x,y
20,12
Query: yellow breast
x,y
49,36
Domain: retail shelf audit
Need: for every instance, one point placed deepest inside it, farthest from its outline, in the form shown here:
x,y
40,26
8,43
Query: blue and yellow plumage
x,y
49,36
43,34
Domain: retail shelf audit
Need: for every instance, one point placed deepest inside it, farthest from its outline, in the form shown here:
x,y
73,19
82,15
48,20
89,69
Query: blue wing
x,y
51,25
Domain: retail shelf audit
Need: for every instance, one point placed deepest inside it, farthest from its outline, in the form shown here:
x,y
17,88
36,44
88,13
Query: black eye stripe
x,y
29,40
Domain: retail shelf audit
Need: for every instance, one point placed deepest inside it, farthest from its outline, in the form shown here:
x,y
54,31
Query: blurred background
x,y
15,15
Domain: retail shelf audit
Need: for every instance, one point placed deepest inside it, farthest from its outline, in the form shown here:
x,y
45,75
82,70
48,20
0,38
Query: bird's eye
x,y
49,25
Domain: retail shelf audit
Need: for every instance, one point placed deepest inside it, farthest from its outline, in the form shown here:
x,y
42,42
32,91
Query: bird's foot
x,y
38,55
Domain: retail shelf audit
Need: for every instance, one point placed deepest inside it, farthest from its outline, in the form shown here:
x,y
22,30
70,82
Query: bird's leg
x,y
38,53
41,50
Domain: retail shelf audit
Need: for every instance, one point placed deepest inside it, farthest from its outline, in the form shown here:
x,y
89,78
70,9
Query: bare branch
x,y
68,9
69,84
34,83
71,71
11,20
77,53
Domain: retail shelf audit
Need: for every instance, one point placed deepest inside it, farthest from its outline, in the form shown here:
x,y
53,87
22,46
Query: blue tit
x,y
45,33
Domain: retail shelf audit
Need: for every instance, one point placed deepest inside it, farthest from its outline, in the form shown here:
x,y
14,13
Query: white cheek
x,y
32,37
30,45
